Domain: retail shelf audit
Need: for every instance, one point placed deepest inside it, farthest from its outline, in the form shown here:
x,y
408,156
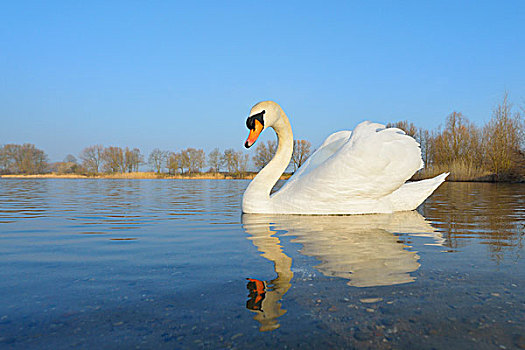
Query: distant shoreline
x,y
139,175
224,176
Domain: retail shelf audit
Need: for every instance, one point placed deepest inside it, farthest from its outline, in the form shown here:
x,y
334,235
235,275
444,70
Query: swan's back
x,y
351,173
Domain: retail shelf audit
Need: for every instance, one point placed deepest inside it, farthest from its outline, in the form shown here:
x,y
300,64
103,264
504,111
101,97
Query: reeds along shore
x,y
494,152
141,175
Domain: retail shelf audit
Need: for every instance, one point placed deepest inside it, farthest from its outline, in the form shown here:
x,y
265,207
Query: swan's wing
x,y
330,146
412,194
372,163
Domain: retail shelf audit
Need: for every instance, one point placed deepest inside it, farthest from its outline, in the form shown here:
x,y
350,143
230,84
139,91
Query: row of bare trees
x,y
27,159
22,159
112,159
493,151
234,161
191,161
96,159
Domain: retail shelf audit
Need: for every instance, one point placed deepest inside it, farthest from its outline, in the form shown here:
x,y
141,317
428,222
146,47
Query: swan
x,y
364,171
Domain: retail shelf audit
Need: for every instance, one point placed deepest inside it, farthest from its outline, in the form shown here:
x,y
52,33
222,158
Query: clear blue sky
x,y
173,74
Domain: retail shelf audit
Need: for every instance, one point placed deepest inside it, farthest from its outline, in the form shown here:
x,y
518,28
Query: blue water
x,y
164,264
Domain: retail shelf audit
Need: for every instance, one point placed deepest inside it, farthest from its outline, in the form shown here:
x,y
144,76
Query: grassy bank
x,y
465,172
140,175
459,172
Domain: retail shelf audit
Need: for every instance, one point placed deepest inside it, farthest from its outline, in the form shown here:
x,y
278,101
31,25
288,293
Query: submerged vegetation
x,y
492,152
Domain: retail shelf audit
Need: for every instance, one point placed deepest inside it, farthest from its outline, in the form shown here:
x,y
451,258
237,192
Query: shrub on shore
x,y
493,152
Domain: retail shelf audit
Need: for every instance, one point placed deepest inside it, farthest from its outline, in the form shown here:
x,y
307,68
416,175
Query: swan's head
x,y
263,115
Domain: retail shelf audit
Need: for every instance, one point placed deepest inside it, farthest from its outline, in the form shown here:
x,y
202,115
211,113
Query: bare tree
x,y
264,153
228,159
37,158
504,136
92,158
424,141
132,159
65,167
242,162
185,160
70,159
521,117
5,160
24,159
174,163
193,159
68,166
236,162
18,159
459,142
214,160
157,159
113,160
409,128
301,152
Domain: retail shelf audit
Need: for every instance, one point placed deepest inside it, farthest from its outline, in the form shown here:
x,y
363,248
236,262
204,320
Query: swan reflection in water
x,y
361,248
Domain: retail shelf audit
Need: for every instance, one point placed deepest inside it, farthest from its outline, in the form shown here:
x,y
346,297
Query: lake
x,y
173,264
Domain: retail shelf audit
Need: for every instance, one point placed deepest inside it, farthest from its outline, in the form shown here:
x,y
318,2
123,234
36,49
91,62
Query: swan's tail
x,y
412,194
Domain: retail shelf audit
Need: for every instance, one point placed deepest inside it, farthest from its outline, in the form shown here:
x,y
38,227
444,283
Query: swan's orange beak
x,y
254,134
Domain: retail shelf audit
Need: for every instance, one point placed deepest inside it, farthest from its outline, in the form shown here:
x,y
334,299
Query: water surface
x,y
165,264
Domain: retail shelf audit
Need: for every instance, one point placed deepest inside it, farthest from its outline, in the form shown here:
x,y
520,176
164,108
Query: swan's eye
x,y
250,123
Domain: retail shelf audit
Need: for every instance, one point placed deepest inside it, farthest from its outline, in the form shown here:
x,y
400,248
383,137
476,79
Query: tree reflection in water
x,y
491,213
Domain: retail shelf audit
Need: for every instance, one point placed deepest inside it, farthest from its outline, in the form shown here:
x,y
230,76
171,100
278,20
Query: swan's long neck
x,y
256,198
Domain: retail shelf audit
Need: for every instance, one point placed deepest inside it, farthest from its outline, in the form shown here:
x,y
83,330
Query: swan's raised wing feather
x,y
330,146
370,164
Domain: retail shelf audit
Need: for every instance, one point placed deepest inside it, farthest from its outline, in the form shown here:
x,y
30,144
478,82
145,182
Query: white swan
x,y
359,172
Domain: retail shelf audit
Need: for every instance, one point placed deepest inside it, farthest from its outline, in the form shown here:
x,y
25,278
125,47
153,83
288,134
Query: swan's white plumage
x,y
330,146
353,172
